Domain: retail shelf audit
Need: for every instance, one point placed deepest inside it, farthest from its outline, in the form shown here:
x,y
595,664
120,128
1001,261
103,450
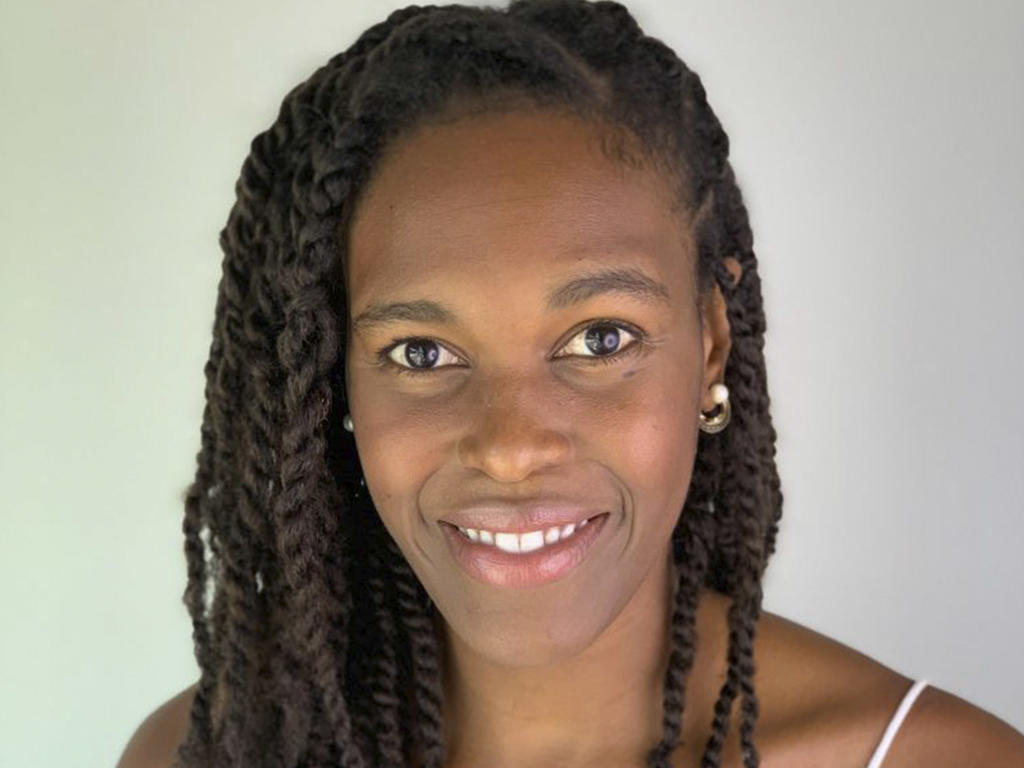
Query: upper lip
x,y
520,516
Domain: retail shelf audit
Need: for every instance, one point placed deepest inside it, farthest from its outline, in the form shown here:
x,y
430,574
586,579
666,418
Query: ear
x,y
717,336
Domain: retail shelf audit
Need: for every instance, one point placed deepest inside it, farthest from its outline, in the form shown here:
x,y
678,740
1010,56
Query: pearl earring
x,y
720,394
346,422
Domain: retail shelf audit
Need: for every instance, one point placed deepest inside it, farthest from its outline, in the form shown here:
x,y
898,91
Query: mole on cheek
x,y
627,374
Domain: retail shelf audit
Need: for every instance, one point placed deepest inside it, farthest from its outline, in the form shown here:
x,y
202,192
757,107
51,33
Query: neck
x,y
601,706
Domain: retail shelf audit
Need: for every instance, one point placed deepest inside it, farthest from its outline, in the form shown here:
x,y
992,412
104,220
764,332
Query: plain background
x,y
879,148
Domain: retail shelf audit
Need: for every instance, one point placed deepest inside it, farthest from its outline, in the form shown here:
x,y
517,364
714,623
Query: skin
x,y
485,215
509,417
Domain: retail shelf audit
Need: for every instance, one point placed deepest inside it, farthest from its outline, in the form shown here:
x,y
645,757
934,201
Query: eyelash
x,y
385,361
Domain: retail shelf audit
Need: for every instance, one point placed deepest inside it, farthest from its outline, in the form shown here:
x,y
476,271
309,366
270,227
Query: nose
x,y
509,436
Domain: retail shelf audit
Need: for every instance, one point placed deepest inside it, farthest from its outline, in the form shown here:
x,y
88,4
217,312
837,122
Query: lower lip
x,y
491,565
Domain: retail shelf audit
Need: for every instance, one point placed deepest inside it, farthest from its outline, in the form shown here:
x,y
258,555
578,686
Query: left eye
x,y
598,340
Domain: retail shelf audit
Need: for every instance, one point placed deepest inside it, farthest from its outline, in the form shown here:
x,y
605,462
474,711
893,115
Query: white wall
x,y
878,144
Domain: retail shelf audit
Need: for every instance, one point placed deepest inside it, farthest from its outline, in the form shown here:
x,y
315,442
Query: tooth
x,y
471,532
486,537
531,541
507,542
567,530
551,535
582,523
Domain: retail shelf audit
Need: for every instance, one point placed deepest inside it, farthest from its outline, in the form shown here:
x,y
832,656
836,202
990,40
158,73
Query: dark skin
x,y
503,414
486,216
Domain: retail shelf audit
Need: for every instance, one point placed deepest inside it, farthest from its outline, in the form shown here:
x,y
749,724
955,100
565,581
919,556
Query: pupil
x,y
602,338
420,352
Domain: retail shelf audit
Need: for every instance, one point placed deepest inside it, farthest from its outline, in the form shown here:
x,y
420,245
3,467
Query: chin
x,y
530,641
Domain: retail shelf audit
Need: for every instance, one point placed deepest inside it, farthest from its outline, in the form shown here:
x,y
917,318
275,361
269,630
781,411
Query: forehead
x,y
505,198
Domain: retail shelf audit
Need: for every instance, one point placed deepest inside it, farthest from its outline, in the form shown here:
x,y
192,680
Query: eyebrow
x,y
629,281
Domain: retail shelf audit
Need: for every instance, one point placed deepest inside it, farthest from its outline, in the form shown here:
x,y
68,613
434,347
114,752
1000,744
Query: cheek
x,y
656,433
397,448
651,442
654,448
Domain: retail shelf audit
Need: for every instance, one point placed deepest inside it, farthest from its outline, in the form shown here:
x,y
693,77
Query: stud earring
x,y
713,424
346,422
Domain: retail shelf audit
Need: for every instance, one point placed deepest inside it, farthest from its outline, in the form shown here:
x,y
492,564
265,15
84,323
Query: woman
x,y
487,472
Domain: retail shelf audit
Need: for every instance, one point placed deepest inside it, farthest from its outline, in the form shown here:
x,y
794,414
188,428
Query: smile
x,y
527,541
523,558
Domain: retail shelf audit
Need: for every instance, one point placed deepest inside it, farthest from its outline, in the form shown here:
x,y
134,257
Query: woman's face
x,y
525,353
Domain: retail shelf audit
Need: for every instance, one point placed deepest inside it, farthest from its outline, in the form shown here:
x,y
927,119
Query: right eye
x,y
415,356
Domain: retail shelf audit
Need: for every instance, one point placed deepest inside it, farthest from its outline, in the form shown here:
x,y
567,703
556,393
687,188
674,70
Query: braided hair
x,y
316,643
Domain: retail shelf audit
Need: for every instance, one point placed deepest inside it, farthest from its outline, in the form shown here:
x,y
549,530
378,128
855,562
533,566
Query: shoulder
x,y
828,704
155,742
943,731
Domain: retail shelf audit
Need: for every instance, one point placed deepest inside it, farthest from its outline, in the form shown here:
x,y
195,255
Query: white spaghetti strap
x,y
895,723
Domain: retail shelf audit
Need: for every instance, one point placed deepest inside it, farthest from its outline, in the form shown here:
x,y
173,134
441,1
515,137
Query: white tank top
x,y
895,723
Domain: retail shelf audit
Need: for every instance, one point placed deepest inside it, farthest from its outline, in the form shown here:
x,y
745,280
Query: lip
x,y
488,564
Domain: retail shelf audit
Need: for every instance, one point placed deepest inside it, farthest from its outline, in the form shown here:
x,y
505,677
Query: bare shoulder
x,y
825,703
155,742
943,730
